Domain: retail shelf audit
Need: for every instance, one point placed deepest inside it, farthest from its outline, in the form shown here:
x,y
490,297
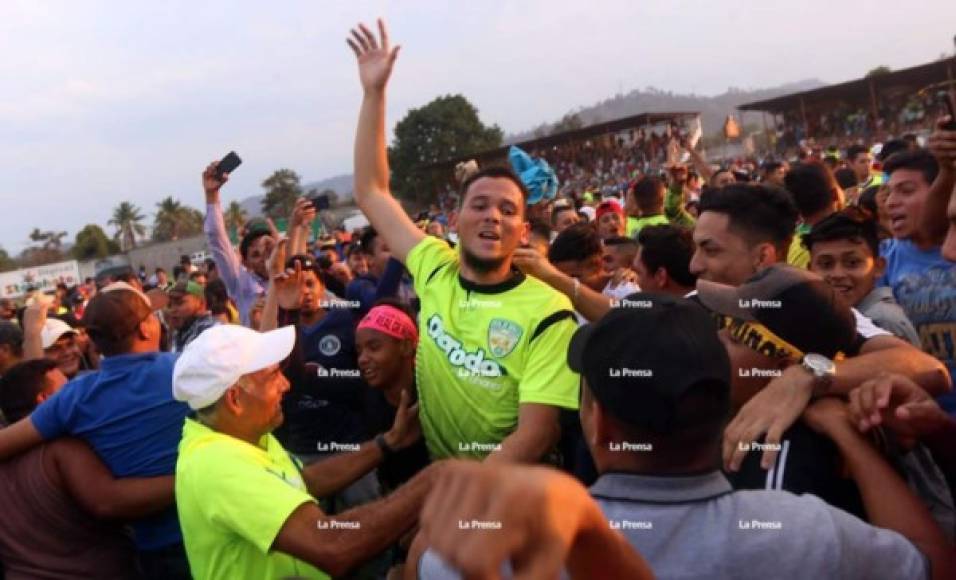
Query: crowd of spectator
x,y
733,371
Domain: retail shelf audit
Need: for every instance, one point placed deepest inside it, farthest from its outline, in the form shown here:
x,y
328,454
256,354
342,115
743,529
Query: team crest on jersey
x,y
330,345
503,337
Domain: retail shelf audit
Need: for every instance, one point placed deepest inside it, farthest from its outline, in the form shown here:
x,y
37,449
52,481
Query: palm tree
x,y
235,216
175,220
126,218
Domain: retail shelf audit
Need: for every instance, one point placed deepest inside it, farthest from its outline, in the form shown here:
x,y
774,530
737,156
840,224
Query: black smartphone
x,y
320,201
950,108
228,164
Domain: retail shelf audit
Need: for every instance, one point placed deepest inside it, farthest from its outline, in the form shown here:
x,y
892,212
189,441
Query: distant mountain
x,y
340,184
651,100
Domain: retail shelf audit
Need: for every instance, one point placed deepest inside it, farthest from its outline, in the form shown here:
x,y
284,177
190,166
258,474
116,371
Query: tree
x,y
92,244
880,70
126,219
174,221
282,189
445,128
234,216
7,263
47,248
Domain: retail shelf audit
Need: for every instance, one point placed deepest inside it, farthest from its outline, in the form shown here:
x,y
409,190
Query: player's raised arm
x,y
375,59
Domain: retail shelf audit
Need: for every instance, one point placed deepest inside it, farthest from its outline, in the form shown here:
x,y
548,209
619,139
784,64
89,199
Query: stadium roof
x,y
859,89
622,124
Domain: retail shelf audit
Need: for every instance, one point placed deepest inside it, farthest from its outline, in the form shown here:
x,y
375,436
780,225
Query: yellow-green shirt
x,y
483,351
797,255
635,225
233,499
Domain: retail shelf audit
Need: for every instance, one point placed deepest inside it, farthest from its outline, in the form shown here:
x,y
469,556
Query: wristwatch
x,y
386,449
822,369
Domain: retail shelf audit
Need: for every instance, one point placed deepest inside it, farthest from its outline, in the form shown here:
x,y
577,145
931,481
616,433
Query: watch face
x,y
819,363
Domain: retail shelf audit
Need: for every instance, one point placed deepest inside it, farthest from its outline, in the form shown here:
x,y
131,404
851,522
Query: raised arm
x,y
99,492
942,144
375,60
227,263
588,303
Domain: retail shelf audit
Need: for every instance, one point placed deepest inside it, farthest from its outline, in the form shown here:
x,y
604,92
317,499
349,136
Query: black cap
x,y
795,304
10,334
643,355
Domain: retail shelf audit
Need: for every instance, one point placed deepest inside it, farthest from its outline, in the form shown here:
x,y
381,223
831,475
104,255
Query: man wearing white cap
x,y
50,338
246,507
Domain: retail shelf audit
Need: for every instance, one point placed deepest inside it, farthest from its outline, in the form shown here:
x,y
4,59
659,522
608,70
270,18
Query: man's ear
x,y
525,233
765,256
879,266
661,278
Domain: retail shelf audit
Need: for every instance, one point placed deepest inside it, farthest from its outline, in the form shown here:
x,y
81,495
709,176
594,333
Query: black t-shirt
x,y
325,407
404,464
806,463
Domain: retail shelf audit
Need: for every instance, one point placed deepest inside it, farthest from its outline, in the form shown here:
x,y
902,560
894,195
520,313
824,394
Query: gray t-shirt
x,y
698,527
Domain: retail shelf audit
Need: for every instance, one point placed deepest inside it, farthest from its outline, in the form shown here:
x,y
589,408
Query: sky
x,y
109,101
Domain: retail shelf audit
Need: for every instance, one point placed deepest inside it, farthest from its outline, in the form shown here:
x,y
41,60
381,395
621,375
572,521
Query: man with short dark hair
x,y
578,252
619,253
774,172
8,310
663,258
563,216
125,411
186,314
923,282
860,160
844,250
489,384
648,197
816,195
245,280
11,345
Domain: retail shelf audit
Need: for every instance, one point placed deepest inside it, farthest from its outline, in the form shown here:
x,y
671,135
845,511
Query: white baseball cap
x,y
216,359
53,329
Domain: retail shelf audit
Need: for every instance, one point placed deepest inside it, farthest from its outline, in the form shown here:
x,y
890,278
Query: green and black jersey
x,y
483,351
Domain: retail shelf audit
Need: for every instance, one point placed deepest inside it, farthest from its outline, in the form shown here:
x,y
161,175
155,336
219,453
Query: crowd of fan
x,y
737,372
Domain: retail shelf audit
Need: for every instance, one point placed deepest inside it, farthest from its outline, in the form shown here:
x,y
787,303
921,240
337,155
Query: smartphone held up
x,y
228,164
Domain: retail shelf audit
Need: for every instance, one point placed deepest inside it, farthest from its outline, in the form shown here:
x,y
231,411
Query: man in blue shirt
x,y
923,282
125,411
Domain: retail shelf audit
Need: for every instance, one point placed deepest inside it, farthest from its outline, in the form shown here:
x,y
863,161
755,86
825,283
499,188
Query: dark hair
x,y
576,243
669,247
918,160
210,264
845,177
541,229
853,150
20,385
620,241
367,239
853,224
495,172
195,274
891,147
249,238
217,296
771,166
557,211
758,212
158,270
648,194
113,318
867,199
813,187
127,276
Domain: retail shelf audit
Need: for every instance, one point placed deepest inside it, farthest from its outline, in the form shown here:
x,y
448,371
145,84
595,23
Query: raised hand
x,y
289,283
212,182
303,213
898,403
406,429
375,56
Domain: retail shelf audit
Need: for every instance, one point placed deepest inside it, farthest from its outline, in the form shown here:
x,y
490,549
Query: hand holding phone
x,y
320,201
947,102
228,164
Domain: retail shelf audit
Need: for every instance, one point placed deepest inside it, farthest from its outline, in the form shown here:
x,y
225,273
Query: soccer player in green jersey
x,y
491,362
